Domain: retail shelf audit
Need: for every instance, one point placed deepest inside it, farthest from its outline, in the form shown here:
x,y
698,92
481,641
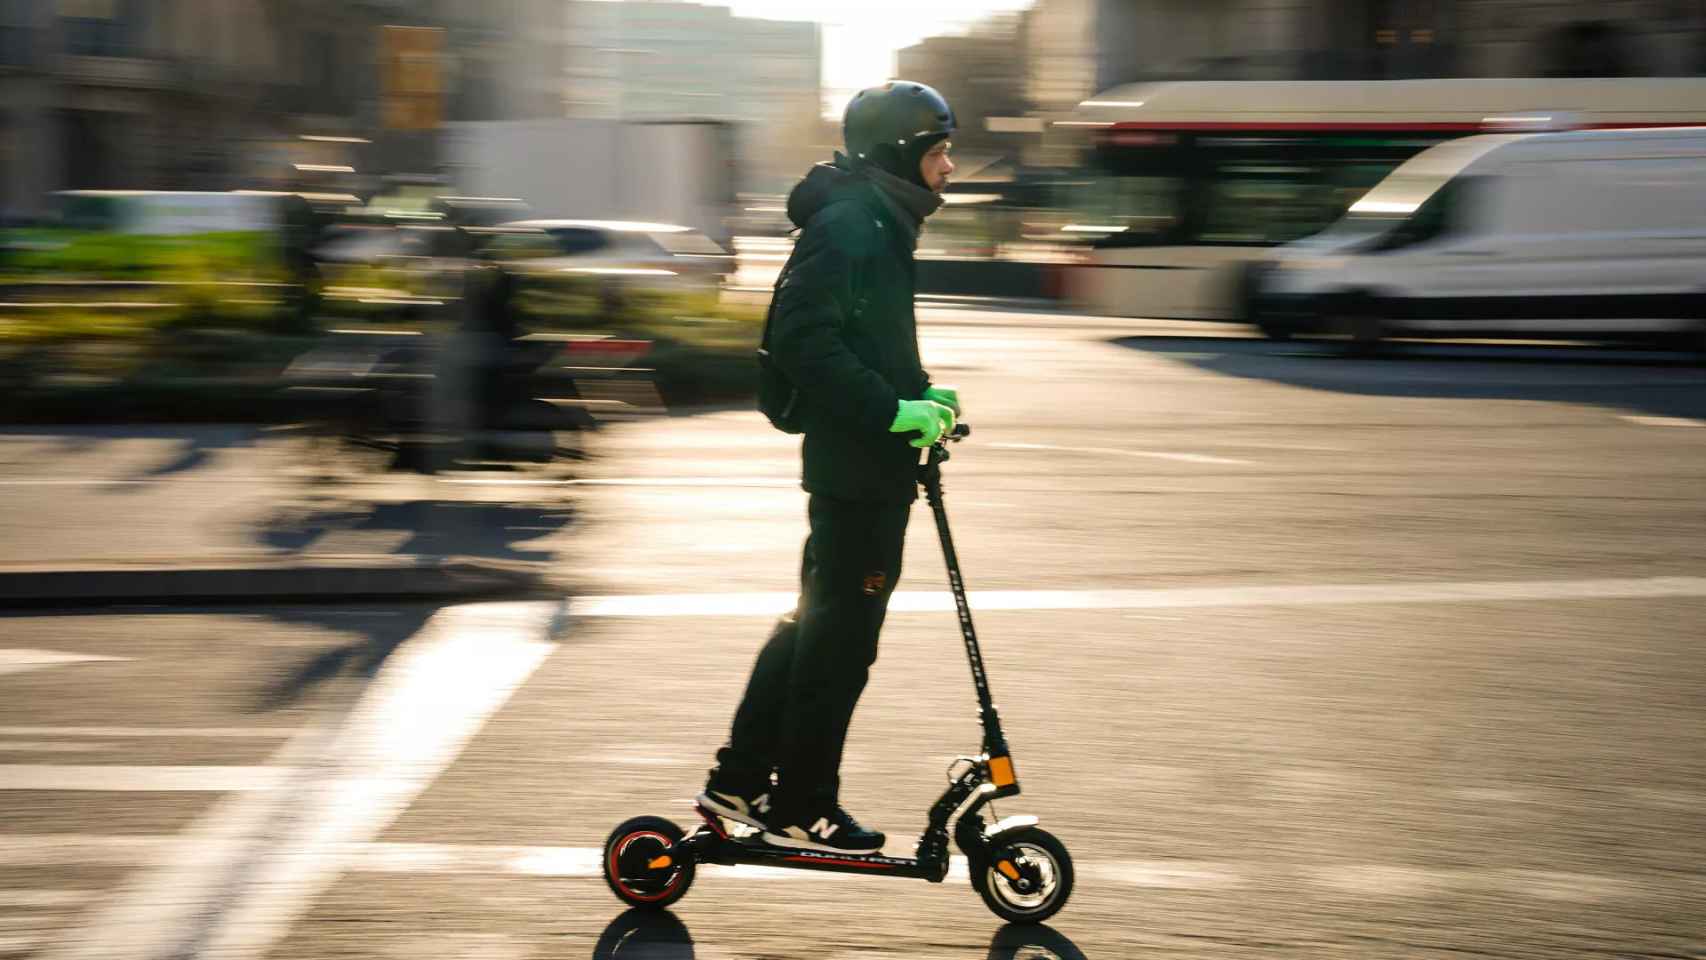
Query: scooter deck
x,y
722,847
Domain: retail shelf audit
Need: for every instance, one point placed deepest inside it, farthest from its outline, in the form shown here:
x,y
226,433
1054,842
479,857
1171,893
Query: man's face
x,y
935,167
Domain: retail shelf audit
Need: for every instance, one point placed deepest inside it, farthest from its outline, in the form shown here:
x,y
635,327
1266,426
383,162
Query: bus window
x,y
1122,210
1268,205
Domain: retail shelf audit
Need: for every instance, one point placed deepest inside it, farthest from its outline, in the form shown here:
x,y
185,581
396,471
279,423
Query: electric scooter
x,y
1022,872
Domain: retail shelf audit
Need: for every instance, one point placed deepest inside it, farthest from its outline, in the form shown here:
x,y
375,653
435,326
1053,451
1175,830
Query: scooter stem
x,y
930,476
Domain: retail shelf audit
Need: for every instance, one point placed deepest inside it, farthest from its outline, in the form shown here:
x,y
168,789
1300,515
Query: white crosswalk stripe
x,y
220,891
13,660
1376,879
150,779
929,601
275,733
44,899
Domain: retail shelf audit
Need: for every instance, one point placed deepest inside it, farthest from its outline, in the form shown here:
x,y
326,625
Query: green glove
x,y
946,396
929,418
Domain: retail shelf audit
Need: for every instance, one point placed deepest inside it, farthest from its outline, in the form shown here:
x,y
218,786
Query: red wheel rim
x,y
614,867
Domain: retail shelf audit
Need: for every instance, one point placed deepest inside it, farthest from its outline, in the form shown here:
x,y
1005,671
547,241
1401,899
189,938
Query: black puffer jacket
x,y
845,334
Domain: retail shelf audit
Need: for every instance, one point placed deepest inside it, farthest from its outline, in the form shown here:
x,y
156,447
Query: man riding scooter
x,y
843,331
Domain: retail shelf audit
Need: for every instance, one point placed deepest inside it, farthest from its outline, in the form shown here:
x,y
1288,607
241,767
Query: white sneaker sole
x,y
724,810
782,840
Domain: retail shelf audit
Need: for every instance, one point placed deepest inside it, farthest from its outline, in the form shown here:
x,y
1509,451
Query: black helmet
x,y
895,124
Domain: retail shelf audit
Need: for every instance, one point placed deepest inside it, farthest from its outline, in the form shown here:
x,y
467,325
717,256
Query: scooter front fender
x,y
1007,824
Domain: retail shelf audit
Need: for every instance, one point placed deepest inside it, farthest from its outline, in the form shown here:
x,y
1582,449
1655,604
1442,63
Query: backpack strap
x,y
770,311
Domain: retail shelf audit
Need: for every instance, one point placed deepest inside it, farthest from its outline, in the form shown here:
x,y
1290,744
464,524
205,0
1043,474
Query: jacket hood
x,y
823,183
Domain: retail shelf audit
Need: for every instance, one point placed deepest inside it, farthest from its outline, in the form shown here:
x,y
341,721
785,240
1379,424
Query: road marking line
x,y
1391,880
925,601
277,733
459,481
430,699
114,482
232,884
1169,874
1398,880
1394,880
631,482
81,849
147,779
691,482
1110,451
39,746
504,481
1665,421
46,899
17,660
534,861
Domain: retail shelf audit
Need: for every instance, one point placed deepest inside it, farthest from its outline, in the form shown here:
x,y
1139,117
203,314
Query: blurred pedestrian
x,y
843,333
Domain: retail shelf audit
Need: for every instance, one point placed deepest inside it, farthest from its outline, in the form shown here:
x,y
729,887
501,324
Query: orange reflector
x,y
1008,870
1001,771
658,863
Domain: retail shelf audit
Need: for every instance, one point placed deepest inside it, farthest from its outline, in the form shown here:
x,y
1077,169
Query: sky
x,y
860,37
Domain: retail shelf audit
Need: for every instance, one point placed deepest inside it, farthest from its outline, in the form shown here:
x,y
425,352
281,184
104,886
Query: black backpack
x,y
778,398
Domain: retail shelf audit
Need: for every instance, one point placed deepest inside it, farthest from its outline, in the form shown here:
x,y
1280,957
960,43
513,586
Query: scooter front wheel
x,y
638,867
1027,877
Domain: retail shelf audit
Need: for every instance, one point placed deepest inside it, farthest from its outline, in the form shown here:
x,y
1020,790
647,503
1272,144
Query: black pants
x,y
810,673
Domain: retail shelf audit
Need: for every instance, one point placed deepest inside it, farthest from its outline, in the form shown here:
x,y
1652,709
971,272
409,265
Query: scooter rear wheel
x,y
632,867
1027,877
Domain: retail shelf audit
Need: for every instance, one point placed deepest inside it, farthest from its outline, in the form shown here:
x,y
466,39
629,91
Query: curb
x,y
322,581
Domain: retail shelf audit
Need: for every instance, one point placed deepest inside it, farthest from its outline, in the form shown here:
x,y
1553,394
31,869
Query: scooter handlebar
x,y
939,449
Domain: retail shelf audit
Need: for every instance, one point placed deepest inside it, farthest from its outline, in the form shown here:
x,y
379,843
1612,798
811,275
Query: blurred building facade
x,y
673,61
979,74
175,94
507,57
221,94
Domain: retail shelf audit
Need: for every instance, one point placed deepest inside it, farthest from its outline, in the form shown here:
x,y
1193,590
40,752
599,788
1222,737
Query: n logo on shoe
x,y
762,803
824,828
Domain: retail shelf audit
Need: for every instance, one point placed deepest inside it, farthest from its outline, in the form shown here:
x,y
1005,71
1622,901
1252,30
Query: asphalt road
x,y
1301,656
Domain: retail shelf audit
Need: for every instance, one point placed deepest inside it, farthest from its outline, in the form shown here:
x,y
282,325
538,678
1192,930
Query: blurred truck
x,y
671,172
1185,185
1588,234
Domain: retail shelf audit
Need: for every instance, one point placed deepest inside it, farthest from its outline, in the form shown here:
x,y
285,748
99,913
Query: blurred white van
x,y
1585,234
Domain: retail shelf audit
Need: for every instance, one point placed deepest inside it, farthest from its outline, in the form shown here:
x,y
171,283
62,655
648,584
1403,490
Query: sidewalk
x,y
103,515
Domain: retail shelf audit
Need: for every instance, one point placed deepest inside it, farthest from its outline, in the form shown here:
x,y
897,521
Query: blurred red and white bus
x,y
1188,183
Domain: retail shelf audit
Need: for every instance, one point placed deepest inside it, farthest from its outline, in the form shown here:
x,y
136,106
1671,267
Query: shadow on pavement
x,y
1669,385
379,633
366,636
199,448
659,935
197,444
644,935
1018,941
435,528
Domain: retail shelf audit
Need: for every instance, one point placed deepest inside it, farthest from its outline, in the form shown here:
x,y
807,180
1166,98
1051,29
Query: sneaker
x,y
830,829
743,802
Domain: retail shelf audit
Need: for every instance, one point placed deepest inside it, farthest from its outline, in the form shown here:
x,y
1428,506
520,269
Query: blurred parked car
x,y
616,255
1595,235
